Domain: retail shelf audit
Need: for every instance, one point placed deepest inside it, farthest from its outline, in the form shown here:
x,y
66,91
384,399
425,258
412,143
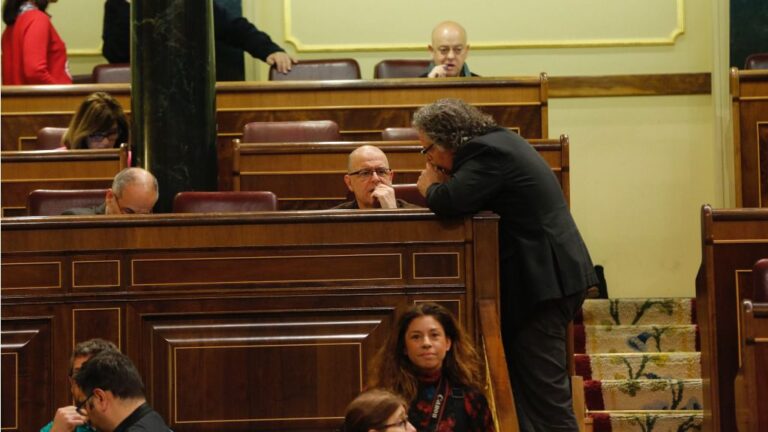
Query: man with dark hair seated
x,y
369,178
112,395
67,419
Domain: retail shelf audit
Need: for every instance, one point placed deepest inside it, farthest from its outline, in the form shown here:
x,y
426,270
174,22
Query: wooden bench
x,y
260,321
25,171
751,384
749,95
732,241
361,108
310,175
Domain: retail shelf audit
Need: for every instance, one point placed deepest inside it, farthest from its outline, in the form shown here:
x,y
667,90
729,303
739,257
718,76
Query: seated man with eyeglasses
x,y
113,395
369,178
133,191
68,419
449,51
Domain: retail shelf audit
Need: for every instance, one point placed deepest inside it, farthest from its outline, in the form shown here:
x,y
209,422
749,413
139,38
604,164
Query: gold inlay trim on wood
x,y
676,31
95,261
741,241
134,261
413,107
176,392
58,179
759,161
16,391
58,270
119,324
458,265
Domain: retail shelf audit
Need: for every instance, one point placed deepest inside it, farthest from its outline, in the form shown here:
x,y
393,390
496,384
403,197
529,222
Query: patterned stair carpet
x,y
640,363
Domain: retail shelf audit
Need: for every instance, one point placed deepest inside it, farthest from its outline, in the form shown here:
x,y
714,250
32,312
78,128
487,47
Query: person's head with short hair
x,y
369,178
99,123
449,49
427,340
111,389
446,125
134,191
377,410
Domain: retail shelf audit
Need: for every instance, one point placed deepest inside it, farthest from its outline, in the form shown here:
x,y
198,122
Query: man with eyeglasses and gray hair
x,y
449,49
369,178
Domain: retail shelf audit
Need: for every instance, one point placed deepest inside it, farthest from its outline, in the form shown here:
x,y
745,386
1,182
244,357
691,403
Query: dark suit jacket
x,y
542,255
98,210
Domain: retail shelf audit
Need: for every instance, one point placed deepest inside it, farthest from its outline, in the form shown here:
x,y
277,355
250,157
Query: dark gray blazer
x,y
98,210
541,253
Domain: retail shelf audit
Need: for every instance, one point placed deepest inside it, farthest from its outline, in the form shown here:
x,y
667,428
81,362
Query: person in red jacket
x,y
33,52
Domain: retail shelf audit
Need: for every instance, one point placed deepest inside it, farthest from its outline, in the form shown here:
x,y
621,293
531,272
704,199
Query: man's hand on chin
x,y
385,195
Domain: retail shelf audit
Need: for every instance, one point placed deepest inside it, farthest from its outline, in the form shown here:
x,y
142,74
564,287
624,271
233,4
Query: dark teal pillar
x,y
173,94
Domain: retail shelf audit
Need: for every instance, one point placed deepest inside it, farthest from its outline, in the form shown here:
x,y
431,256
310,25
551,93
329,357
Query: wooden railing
x,y
732,240
273,302
25,171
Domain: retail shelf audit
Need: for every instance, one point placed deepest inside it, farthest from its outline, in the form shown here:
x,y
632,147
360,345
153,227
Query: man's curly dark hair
x,y
450,123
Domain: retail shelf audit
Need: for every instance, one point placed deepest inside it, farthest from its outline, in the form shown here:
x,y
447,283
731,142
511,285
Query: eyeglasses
x,y
80,405
400,425
426,149
444,50
98,136
366,173
124,210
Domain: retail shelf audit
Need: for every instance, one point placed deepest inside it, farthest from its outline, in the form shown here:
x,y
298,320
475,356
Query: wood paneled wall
x,y
24,171
362,108
732,241
749,94
311,175
263,321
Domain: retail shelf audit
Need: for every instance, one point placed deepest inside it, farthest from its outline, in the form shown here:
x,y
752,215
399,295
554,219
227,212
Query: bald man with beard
x,y
449,51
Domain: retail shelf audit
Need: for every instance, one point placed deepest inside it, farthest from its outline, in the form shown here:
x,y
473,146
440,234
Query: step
x,y
668,365
645,394
638,338
647,421
632,311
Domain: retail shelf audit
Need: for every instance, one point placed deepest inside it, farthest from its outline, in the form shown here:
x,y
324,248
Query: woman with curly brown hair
x,y
98,124
431,363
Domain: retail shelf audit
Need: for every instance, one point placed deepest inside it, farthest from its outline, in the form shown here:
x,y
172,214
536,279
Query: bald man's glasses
x,y
368,173
444,50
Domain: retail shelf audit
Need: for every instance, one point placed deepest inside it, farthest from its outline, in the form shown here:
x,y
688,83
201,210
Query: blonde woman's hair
x,y
99,112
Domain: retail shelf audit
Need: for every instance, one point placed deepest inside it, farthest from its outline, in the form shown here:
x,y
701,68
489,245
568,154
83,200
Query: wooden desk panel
x,y
362,108
227,316
311,175
732,241
25,171
749,96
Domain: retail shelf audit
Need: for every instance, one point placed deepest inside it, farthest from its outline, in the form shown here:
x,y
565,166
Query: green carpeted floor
x,y
641,365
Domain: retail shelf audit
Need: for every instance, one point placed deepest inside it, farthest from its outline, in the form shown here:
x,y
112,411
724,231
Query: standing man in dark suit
x,y
230,30
545,269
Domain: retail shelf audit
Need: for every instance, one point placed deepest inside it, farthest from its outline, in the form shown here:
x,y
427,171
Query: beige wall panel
x,y
641,168
369,24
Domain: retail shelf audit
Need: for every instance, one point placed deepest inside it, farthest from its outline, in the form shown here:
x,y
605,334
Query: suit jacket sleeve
x,y
116,33
479,177
240,33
